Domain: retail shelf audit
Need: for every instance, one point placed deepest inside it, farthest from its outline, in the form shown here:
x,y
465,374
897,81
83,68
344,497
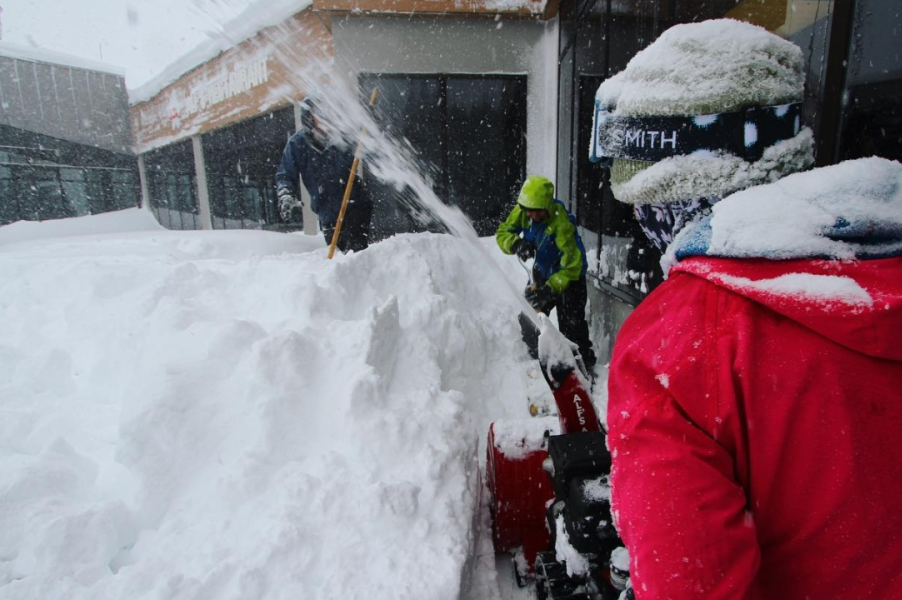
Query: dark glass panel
x,y
241,163
486,147
48,178
410,109
171,180
467,135
872,119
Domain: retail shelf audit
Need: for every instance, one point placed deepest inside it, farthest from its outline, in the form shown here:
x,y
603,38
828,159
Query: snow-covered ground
x,y
228,414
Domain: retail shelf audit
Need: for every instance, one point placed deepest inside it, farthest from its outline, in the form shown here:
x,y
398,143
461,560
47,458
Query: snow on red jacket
x,y
755,419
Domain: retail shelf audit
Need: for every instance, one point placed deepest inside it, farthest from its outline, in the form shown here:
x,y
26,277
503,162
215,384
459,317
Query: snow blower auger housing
x,y
548,480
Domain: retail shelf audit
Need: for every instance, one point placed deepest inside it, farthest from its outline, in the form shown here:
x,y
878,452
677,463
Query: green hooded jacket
x,y
560,255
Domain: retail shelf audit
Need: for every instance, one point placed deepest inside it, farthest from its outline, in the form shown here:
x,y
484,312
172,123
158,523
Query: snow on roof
x,y
256,17
57,58
705,68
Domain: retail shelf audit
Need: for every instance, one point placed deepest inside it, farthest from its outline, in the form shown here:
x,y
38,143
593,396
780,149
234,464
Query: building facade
x,y
486,92
473,88
65,140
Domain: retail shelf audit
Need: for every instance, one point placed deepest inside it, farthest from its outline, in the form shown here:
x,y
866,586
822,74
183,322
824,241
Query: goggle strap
x,y
745,133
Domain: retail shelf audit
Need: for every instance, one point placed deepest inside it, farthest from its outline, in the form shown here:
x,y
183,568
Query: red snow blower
x,y
549,480
520,488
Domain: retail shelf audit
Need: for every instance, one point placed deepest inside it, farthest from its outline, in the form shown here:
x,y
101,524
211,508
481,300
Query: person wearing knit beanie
x,y
682,127
754,396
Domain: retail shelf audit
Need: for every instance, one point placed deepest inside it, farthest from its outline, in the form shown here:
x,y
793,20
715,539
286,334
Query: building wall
x,y
387,44
78,105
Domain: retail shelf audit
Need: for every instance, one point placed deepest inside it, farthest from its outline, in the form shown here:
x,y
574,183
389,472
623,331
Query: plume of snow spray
x,y
390,160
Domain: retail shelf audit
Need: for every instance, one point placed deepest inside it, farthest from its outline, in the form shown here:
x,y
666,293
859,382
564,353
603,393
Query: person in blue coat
x,y
324,166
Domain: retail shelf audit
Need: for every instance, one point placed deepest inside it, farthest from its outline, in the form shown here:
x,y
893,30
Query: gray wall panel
x,y
29,88
68,103
94,126
49,105
82,100
63,82
11,110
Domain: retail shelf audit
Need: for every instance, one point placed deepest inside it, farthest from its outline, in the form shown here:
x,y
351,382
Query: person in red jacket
x,y
755,397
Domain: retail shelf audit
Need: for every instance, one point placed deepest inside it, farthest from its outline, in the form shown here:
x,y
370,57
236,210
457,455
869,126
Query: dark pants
x,y
571,317
355,230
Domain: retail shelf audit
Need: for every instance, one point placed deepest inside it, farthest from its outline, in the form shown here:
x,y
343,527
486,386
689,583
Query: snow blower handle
x,y
349,186
526,268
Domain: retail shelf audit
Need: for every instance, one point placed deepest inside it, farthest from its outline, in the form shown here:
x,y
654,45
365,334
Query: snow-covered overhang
x,y
544,9
57,58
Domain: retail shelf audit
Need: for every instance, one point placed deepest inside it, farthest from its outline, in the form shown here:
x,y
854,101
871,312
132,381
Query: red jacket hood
x,y
857,304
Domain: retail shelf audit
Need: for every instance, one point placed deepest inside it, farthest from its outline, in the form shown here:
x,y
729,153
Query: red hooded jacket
x,y
755,419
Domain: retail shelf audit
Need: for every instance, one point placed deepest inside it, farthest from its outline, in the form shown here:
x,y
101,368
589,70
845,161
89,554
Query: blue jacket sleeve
x,y
290,168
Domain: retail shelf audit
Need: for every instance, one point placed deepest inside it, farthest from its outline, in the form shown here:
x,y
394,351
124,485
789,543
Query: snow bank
x,y
228,414
132,219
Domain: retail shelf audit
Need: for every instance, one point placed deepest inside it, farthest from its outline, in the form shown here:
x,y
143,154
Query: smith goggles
x,y
745,133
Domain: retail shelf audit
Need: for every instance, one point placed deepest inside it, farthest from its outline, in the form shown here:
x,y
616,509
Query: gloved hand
x,y
287,203
523,249
541,297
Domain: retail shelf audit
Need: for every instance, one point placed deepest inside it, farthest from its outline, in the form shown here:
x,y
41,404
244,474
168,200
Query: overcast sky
x,y
142,36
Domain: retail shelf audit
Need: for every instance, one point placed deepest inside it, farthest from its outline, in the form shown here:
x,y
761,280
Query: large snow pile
x,y
228,414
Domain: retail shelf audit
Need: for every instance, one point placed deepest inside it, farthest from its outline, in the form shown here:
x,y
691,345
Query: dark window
x,y
172,185
468,134
872,121
598,38
47,178
241,163
590,177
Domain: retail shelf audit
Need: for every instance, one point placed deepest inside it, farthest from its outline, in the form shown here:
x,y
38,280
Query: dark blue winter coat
x,y
324,173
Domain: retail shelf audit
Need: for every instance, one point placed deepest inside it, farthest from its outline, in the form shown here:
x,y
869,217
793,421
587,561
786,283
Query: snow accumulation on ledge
x,y
256,17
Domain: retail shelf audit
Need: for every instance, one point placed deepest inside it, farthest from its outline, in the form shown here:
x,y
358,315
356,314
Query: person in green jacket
x,y
540,226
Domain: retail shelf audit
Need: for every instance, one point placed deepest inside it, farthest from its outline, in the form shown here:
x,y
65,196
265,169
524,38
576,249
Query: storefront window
x,y
173,186
469,135
46,178
241,163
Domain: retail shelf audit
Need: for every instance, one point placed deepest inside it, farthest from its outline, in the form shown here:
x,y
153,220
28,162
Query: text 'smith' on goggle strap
x,y
745,133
